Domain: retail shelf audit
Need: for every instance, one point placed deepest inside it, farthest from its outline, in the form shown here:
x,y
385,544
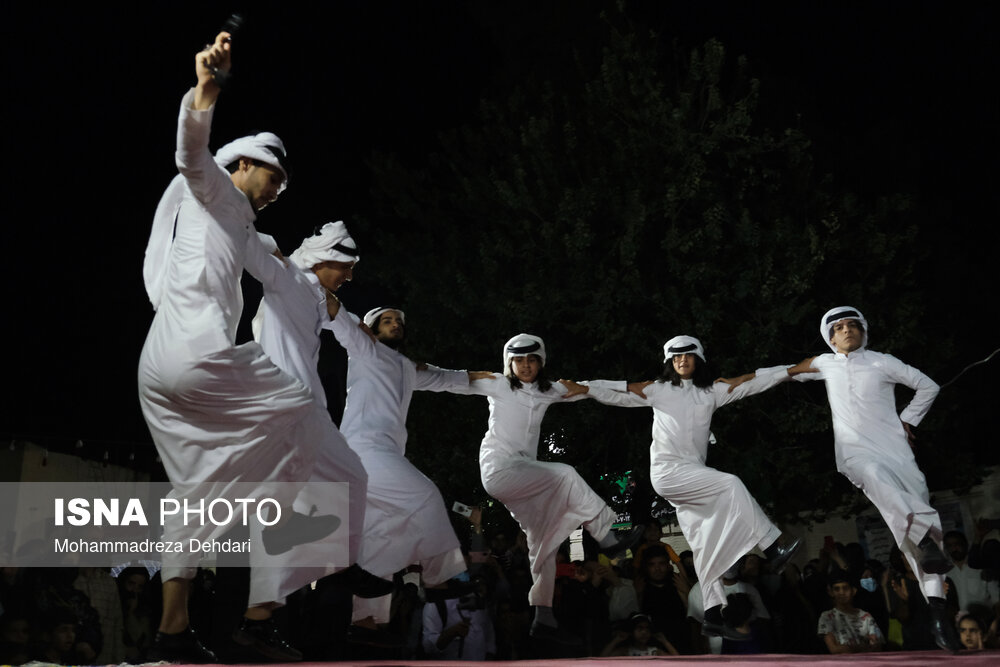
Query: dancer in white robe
x,y
406,520
720,519
873,448
287,325
219,413
549,500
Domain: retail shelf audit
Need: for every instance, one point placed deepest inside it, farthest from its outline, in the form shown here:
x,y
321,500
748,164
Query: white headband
x,y
265,147
522,345
330,243
683,345
837,314
371,317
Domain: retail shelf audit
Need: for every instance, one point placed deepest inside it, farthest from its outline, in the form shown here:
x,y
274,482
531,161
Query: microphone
x,y
232,26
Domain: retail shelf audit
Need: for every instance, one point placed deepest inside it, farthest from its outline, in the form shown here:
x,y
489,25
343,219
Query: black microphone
x,y
232,26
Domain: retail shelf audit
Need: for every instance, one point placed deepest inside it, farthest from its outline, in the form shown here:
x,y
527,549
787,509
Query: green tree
x,y
609,214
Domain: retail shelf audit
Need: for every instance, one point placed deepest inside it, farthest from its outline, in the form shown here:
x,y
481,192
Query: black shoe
x,y
715,626
264,638
553,634
357,634
181,647
942,626
298,529
629,541
454,589
779,553
932,559
361,582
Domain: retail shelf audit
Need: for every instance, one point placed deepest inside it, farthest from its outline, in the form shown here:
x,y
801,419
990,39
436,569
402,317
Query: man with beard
x,y
971,588
406,521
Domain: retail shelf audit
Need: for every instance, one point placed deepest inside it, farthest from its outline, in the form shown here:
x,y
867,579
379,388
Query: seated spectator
x,y
137,613
845,628
793,616
460,628
582,606
970,631
870,595
57,638
738,613
972,587
908,605
760,617
636,637
660,599
622,598
15,633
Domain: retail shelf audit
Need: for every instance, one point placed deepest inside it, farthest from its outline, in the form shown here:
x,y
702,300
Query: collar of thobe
x,y
860,352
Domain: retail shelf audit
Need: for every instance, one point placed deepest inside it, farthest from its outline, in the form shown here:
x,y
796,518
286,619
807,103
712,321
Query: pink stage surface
x,y
970,659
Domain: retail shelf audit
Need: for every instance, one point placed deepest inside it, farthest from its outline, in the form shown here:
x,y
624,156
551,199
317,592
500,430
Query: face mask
x,y
868,584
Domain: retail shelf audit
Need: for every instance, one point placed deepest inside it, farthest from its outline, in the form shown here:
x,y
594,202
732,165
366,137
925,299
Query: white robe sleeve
x,y
764,379
596,387
194,160
620,396
440,379
347,330
926,389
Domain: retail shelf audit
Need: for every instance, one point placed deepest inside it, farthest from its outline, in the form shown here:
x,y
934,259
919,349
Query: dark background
x,y
896,97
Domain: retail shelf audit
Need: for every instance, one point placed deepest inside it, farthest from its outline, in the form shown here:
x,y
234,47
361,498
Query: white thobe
x,y
720,519
475,646
871,446
219,413
549,500
971,588
406,519
288,325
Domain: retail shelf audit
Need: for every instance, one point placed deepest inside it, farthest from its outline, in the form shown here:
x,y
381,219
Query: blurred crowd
x,y
648,604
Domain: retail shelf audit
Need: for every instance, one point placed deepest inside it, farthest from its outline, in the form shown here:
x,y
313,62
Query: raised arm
x,y
193,158
351,333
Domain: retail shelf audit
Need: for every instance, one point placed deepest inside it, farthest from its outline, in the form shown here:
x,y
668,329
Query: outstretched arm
x,y
432,378
749,384
193,158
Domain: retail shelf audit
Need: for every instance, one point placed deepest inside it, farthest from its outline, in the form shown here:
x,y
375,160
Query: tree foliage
x,y
608,214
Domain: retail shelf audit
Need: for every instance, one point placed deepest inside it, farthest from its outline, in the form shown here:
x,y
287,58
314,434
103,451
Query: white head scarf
x,y
683,345
265,147
837,314
522,345
330,243
371,317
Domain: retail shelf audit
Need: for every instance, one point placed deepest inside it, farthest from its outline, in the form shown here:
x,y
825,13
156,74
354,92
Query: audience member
x,y
974,591
635,637
660,600
845,628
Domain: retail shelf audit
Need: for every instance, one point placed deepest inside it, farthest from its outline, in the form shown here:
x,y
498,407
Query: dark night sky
x,y
896,96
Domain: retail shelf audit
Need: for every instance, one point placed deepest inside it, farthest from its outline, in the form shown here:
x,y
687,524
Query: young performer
x,y
219,413
297,304
873,447
549,500
406,520
720,519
